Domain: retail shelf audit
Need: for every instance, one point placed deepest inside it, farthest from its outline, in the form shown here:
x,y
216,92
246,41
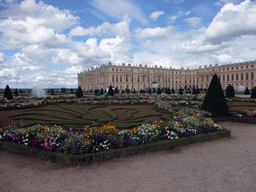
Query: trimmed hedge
x,y
73,160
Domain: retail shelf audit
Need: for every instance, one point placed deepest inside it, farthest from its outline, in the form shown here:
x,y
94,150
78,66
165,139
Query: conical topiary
x,y
247,92
230,91
110,91
79,92
215,101
253,94
180,91
7,92
159,91
16,93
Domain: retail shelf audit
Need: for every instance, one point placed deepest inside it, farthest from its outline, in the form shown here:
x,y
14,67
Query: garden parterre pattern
x,y
77,116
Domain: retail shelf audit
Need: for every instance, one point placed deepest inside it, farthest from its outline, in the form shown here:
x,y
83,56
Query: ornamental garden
x,y
80,128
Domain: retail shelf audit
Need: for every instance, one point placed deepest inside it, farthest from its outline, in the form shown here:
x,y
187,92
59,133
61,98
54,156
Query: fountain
x,y
240,88
38,91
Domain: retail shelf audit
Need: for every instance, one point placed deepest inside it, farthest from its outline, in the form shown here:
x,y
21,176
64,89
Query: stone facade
x,y
141,77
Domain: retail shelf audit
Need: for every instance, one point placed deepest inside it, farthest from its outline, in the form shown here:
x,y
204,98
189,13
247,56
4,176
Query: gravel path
x,y
227,164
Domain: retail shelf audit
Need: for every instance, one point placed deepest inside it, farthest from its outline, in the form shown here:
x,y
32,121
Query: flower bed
x,y
92,139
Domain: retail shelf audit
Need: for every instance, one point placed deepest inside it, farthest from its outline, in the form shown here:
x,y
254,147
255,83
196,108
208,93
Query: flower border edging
x,y
73,160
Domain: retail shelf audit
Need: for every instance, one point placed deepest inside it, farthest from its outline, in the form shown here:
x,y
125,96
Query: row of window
x,y
237,77
119,78
113,69
232,68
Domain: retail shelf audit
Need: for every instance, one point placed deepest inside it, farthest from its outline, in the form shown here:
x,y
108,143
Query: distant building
x,y
141,77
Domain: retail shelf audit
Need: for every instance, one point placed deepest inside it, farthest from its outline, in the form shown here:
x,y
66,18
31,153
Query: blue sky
x,y
48,42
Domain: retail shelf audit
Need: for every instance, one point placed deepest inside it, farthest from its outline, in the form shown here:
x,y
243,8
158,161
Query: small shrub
x,y
181,91
110,91
230,91
159,91
253,94
247,92
79,92
16,92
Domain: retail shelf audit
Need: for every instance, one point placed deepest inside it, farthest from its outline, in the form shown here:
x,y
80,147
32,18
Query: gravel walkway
x,y
227,164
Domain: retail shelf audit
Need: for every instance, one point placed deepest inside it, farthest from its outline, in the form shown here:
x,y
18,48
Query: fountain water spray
x,y
38,91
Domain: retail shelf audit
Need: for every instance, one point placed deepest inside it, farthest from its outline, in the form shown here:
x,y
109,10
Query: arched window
x,y
252,76
227,77
242,76
223,77
246,76
232,77
237,77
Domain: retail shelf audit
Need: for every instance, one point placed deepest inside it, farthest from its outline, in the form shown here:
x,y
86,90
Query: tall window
x,y
246,75
242,76
252,76
138,79
120,78
113,78
117,78
228,77
223,77
232,77
237,77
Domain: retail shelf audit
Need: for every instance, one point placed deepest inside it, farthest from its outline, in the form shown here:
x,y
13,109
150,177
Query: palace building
x,y
142,77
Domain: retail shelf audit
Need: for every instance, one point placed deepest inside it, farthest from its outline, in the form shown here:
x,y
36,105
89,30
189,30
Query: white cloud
x,y
41,15
157,33
178,1
231,23
156,14
119,8
193,21
29,23
2,57
180,14
121,29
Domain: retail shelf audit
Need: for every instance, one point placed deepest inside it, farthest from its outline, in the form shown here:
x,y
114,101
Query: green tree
x,y
16,92
116,90
159,91
63,90
194,91
110,91
168,91
8,92
149,90
101,91
181,91
230,91
79,92
247,92
52,92
173,91
71,91
253,94
215,101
